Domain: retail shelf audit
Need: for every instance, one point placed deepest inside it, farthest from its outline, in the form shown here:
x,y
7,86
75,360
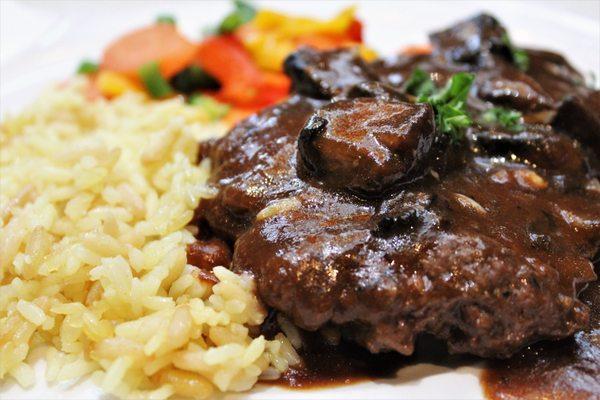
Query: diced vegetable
x,y
213,109
87,67
151,77
225,59
271,36
267,50
417,50
166,19
505,117
288,26
194,78
274,86
112,84
354,32
242,83
161,43
242,14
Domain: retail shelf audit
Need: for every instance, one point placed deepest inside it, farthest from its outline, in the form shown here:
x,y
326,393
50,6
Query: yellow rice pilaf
x,y
95,198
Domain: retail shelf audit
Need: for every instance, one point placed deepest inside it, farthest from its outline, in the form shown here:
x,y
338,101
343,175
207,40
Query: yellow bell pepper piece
x,y
290,27
112,84
271,36
367,53
268,51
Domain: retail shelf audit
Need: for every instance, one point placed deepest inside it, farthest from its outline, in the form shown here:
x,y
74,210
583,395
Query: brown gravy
x,y
387,236
325,365
347,363
567,369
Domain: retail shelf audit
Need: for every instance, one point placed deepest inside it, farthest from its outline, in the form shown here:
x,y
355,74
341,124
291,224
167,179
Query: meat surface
x,y
473,41
579,117
323,75
367,146
351,211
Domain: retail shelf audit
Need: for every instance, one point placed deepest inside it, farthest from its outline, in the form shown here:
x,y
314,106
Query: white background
x,y
44,41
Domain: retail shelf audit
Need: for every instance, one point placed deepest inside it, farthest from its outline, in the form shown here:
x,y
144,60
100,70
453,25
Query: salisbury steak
x,y
358,213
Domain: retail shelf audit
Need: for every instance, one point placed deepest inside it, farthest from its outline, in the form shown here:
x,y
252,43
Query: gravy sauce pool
x,y
326,365
567,369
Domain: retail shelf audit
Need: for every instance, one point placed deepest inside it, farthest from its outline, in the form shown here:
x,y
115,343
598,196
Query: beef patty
x,y
353,210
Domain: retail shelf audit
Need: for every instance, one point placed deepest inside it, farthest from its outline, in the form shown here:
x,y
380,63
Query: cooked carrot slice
x,y
417,50
161,43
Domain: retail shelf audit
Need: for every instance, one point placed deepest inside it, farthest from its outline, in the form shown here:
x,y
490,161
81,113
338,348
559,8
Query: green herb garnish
x,y
156,85
419,84
166,19
214,110
519,56
449,102
507,118
242,13
87,67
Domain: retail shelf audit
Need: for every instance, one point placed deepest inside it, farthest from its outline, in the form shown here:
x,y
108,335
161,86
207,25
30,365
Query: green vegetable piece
x,y
455,91
519,56
507,118
449,104
242,13
87,67
154,82
166,19
213,109
419,84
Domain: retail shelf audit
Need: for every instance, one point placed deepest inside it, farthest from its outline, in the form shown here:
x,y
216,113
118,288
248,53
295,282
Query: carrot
x,y
160,42
417,50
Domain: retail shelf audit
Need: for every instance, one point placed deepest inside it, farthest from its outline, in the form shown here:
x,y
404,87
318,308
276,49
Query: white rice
x,y
94,202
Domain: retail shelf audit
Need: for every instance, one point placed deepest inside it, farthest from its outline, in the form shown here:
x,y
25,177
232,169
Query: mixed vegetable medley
x,y
234,70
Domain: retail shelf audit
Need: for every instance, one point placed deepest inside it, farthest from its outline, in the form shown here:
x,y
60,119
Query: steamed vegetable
x,y
166,19
213,109
151,77
242,14
271,36
112,84
241,65
160,43
242,83
87,67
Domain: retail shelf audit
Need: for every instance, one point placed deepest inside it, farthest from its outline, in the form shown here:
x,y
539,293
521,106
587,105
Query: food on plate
x,y
239,63
452,198
95,201
448,192
100,273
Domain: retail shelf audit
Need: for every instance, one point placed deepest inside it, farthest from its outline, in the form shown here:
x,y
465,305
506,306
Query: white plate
x,y
43,42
